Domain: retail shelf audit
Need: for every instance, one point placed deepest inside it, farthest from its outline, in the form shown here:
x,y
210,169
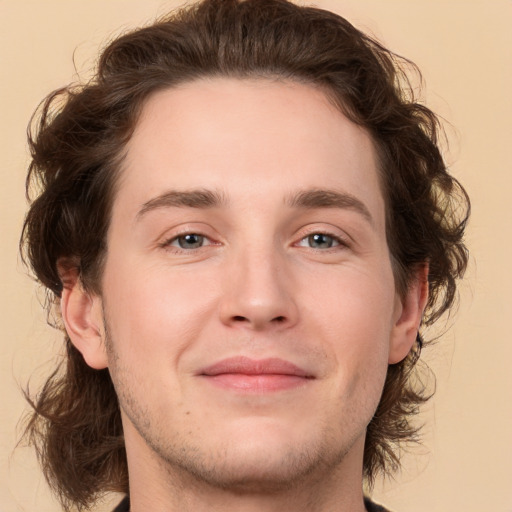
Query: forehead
x,y
247,137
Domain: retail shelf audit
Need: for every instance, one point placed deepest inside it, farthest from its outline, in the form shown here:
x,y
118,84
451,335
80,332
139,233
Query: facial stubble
x,y
189,463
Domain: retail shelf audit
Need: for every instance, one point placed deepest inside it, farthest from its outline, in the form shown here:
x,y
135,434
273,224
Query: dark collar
x,y
124,506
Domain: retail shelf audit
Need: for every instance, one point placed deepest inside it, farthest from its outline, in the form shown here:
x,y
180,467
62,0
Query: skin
x,y
270,276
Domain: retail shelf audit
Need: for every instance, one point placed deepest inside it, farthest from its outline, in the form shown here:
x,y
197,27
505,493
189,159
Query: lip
x,y
256,375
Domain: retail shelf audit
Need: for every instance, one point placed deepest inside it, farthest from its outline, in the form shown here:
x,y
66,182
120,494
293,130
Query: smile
x,y
258,376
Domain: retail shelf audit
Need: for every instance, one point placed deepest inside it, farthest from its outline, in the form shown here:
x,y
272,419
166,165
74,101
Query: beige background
x,y
464,49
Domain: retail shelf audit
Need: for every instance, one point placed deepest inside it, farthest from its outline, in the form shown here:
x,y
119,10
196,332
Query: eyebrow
x,y
200,198
305,199
326,198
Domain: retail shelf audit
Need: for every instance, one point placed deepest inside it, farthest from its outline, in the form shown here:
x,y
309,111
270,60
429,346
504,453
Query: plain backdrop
x,y
464,49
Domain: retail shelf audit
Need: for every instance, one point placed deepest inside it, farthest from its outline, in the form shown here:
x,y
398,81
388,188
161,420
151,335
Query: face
x,y
248,298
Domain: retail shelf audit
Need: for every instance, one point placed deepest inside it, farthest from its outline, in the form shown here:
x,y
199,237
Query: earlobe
x,y
409,314
82,316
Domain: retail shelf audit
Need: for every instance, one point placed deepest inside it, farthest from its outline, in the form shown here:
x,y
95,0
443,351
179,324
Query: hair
x,y
77,138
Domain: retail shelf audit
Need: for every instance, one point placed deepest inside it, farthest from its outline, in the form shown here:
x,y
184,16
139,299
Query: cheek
x,y
156,308
354,307
355,315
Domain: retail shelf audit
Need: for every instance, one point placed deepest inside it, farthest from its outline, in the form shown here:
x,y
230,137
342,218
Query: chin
x,y
243,471
267,461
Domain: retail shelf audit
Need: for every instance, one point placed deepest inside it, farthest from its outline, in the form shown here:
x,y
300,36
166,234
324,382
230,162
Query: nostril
x,y
239,318
279,319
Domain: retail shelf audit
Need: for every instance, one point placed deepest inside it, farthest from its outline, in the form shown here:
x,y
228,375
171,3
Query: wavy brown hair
x,y
77,138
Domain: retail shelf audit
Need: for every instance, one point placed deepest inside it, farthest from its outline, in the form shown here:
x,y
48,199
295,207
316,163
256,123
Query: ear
x,y
82,316
408,315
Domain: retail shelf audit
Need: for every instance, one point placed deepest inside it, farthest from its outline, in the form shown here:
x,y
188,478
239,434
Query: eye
x,y
188,241
319,241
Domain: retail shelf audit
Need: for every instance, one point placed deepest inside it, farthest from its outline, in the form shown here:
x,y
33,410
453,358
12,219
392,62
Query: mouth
x,y
258,376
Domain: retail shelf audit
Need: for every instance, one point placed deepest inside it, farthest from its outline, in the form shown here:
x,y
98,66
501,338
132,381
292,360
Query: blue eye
x,y
319,241
189,241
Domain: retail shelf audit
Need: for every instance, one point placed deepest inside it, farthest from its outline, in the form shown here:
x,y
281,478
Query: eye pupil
x,y
190,241
320,241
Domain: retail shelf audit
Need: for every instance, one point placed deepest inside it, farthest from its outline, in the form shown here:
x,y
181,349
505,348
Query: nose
x,y
259,292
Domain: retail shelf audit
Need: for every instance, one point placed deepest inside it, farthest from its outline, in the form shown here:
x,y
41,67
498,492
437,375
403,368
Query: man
x,y
243,220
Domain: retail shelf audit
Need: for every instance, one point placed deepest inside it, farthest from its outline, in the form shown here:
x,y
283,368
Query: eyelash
x,y
337,241
168,243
